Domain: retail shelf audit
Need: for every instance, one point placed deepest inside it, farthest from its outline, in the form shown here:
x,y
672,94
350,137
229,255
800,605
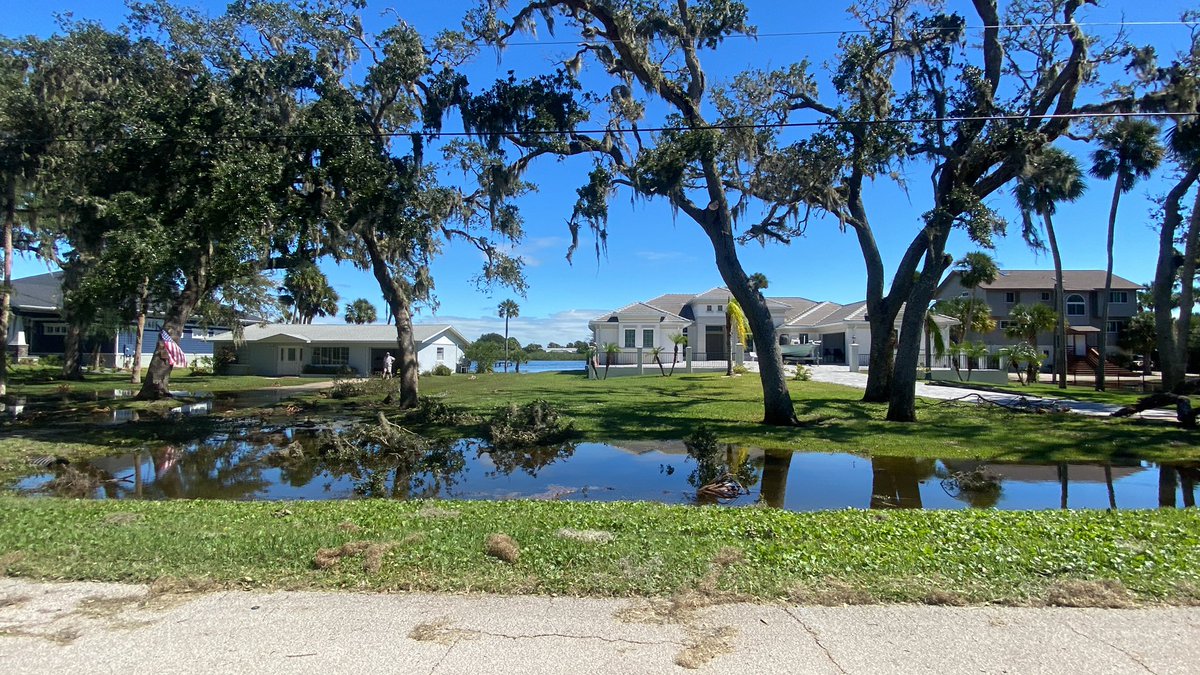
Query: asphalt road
x,y
87,627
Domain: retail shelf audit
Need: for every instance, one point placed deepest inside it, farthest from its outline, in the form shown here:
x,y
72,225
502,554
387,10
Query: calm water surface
x,y
248,464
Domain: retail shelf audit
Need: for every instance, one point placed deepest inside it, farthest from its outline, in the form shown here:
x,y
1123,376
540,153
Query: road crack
x,y
816,639
1130,655
534,636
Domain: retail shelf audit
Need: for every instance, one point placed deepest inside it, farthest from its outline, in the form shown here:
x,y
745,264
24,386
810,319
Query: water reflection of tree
x,y
896,481
971,482
226,469
528,460
717,461
774,477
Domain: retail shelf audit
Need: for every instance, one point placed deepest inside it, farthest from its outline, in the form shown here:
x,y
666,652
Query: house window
x,y
708,308
1075,306
1115,327
1118,296
1010,297
330,356
441,353
648,338
720,308
54,329
1005,324
964,294
630,338
1045,296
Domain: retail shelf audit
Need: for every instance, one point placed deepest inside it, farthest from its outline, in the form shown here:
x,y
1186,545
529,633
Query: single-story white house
x,y
279,349
702,319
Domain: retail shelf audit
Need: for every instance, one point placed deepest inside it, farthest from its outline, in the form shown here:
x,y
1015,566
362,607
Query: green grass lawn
x,y
1048,557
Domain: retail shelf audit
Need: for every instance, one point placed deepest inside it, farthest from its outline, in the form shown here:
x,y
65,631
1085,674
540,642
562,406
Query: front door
x,y
291,359
715,345
1077,345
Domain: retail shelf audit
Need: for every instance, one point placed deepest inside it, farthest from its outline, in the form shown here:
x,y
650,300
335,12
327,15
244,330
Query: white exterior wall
x,y
427,356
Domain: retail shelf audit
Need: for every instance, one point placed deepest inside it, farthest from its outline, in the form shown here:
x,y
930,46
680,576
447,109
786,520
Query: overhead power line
x,y
599,131
863,31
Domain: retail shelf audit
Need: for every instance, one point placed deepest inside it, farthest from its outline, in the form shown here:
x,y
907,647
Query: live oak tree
x,y
978,107
651,51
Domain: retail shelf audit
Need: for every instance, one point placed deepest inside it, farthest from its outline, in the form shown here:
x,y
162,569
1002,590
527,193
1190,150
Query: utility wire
x,y
583,132
862,31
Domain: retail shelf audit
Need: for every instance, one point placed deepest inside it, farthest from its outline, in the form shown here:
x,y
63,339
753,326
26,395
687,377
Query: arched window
x,y
1075,305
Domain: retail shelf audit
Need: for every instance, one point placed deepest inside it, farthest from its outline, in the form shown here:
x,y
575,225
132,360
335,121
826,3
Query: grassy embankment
x,y
1046,389
1049,557
46,381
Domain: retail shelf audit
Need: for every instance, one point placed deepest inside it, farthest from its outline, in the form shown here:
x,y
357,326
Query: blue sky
x,y
650,252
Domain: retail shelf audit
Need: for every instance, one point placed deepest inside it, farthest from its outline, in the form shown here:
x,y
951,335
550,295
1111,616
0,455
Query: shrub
x,y
349,388
442,370
53,360
803,374
739,369
202,365
344,370
223,357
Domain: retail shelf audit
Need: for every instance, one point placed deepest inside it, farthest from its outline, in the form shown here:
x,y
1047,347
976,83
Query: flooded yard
x,y
296,462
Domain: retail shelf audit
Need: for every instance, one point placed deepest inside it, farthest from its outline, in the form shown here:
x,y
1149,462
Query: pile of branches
x,y
434,410
383,437
535,423
978,481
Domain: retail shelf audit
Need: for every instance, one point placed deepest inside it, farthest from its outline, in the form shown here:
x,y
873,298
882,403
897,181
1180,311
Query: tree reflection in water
x,y
896,481
717,462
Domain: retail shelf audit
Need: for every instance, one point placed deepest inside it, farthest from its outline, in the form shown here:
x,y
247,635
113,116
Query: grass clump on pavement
x,y
656,551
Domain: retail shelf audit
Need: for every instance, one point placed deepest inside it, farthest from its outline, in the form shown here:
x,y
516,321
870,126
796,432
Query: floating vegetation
x,y
977,486
382,437
536,423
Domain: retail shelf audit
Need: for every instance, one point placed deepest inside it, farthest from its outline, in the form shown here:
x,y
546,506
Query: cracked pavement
x,y
46,628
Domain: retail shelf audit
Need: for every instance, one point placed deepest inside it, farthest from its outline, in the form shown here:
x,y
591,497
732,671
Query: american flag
x,y
175,355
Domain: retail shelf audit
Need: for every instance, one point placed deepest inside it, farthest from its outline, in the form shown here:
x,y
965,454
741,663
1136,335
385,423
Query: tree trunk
x,y
10,222
398,303
1172,351
1167,482
1060,302
72,368
728,344
143,299
506,342
777,402
1187,300
1112,492
1102,341
406,357
902,405
882,358
158,375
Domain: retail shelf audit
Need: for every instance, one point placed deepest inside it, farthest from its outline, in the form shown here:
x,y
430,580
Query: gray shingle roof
x,y
1073,280
43,291
332,332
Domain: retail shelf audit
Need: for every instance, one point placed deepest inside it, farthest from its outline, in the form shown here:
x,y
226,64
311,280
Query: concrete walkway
x,y
86,627
842,375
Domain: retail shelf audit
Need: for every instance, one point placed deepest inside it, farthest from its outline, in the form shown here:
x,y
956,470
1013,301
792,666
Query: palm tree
x,y
307,294
1051,177
758,281
1129,150
656,352
359,312
735,325
610,350
976,269
508,310
970,317
1025,322
680,340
